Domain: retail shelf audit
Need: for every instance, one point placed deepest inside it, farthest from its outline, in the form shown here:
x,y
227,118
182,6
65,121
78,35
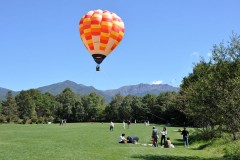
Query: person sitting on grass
x,y
168,143
122,139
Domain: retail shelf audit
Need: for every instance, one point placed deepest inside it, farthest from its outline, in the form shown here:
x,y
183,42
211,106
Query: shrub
x,y
15,119
50,119
25,120
34,119
232,150
200,134
40,120
2,119
20,121
8,119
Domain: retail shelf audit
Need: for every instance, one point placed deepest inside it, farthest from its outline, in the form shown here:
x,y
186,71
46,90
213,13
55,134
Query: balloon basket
x,y
98,68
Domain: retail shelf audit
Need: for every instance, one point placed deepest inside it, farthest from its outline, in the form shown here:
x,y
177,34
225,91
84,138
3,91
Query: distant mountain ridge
x,y
3,92
142,89
76,88
139,89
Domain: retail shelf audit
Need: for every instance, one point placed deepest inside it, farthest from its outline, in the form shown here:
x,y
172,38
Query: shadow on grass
x,y
178,142
232,156
203,146
164,157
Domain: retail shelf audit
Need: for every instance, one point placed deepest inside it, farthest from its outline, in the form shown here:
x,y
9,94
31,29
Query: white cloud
x,y
198,54
157,82
209,54
195,54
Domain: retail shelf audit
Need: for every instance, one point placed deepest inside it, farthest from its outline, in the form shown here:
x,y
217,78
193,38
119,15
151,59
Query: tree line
x,y
208,98
32,106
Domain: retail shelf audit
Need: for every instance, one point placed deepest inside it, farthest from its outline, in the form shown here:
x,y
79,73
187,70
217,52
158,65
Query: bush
x,y
232,157
57,120
20,121
15,119
8,119
25,120
2,119
232,150
34,119
40,120
50,119
200,134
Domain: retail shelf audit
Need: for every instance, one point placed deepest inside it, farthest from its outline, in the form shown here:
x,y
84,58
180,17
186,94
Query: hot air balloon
x,y
101,32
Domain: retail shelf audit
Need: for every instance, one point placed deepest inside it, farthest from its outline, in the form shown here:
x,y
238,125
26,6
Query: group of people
x,y
166,142
129,139
146,123
124,124
63,121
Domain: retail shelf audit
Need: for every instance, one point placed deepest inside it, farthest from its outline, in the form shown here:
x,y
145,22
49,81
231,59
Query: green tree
x,y
149,106
10,109
137,112
26,105
1,107
2,117
67,100
169,110
202,96
51,105
78,112
211,92
112,109
125,109
43,102
93,106
227,74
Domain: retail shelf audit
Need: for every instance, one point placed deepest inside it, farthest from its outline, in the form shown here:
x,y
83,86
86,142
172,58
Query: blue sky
x,y
40,42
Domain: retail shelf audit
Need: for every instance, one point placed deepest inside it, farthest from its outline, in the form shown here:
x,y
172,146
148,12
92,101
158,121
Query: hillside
x,y
76,88
139,89
142,89
3,92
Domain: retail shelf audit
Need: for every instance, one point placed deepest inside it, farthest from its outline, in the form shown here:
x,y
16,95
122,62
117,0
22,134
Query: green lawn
x,y
90,141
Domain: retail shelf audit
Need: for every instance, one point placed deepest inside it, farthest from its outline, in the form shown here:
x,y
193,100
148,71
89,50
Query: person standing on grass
x,y
61,122
185,134
124,125
163,137
155,137
128,123
111,126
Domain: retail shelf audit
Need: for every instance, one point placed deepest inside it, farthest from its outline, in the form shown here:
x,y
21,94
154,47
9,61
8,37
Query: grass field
x,y
89,141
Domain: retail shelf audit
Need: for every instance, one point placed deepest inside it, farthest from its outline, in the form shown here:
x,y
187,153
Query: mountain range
x,y
139,89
